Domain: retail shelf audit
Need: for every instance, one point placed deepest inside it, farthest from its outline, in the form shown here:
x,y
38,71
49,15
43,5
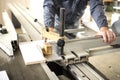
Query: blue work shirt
x,y
74,11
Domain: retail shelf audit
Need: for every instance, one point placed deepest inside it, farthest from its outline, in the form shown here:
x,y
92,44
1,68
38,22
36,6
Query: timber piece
x,y
3,75
55,56
50,35
32,53
47,49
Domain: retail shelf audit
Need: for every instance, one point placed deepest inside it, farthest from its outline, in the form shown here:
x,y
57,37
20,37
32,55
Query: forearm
x,y
49,13
97,13
104,28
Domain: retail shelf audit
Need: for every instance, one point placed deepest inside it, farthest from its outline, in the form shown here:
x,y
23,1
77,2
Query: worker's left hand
x,y
108,35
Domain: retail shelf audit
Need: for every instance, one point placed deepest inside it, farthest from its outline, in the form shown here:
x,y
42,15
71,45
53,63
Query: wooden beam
x,y
50,35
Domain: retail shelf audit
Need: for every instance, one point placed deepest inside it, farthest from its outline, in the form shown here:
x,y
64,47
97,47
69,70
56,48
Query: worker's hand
x,y
108,35
50,35
51,29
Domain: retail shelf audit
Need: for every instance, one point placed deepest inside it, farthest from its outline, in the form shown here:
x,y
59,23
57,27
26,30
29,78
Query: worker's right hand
x,y
50,34
108,35
51,29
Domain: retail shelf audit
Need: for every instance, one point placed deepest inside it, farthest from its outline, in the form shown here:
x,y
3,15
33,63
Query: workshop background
x,y
35,6
108,64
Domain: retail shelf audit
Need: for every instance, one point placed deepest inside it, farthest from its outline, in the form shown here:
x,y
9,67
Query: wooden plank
x,y
3,75
32,54
50,35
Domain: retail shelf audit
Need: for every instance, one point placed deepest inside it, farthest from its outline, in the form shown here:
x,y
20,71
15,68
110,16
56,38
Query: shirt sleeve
x,y
97,12
49,13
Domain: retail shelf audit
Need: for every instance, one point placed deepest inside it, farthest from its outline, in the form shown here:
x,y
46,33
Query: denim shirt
x,y
74,11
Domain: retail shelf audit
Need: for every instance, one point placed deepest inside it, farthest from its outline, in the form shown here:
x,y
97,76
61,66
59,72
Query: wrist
x,y
50,28
104,28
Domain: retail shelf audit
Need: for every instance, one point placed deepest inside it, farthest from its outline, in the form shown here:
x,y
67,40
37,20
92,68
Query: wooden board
x,y
32,54
50,35
3,75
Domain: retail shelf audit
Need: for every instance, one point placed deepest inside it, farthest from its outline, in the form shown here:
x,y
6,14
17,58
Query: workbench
x,y
17,70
